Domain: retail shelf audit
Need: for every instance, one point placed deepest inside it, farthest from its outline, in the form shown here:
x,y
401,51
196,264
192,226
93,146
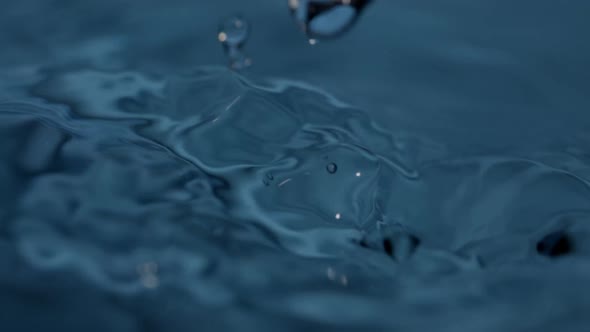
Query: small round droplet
x,y
233,34
332,168
326,18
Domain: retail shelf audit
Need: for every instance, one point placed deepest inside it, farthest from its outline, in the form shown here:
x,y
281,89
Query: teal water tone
x,y
426,170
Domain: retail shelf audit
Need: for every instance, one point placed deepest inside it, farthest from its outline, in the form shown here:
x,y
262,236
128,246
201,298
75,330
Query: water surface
x,y
428,170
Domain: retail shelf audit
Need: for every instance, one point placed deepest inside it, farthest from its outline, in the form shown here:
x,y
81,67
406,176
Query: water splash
x,y
136,202
133,185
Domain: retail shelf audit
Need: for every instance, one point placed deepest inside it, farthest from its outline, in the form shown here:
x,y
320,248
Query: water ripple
x,y
216,187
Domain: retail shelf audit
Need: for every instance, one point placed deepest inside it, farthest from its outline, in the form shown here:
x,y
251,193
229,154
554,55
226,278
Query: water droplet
x,y
326,18
332,168
233,34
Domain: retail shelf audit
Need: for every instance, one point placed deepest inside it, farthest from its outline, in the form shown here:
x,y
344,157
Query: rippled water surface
x,y
428,170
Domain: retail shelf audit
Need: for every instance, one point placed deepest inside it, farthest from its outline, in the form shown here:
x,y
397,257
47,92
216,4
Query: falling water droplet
x,y
332,168
233,34
326,18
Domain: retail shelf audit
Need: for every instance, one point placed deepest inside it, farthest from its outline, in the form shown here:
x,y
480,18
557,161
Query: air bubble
x,y
233,34
322,19
332,168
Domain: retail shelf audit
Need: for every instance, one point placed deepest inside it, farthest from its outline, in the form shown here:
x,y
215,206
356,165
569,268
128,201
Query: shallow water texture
x,y
426,171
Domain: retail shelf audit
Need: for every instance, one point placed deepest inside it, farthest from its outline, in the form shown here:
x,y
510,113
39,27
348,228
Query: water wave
x,y
164,202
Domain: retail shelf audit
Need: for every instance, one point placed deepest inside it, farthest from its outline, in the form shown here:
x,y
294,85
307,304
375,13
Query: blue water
x,y
428,170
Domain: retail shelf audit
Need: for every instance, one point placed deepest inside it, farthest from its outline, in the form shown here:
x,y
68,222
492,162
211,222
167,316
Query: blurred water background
x,y
427,170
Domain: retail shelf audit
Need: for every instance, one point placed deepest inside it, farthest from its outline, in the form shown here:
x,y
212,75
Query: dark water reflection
x,y
426,171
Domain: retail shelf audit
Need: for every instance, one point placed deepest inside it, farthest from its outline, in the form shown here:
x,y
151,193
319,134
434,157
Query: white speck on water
x,y
284,182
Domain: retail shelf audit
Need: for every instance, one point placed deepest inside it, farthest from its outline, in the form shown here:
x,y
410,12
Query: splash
x,y
222,188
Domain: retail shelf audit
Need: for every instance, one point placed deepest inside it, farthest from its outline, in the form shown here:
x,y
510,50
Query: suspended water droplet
x,y
326,18
233,34
332,168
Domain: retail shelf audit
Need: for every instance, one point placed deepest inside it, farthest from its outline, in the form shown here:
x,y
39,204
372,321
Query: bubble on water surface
x,y
321,19
233,34
332,168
